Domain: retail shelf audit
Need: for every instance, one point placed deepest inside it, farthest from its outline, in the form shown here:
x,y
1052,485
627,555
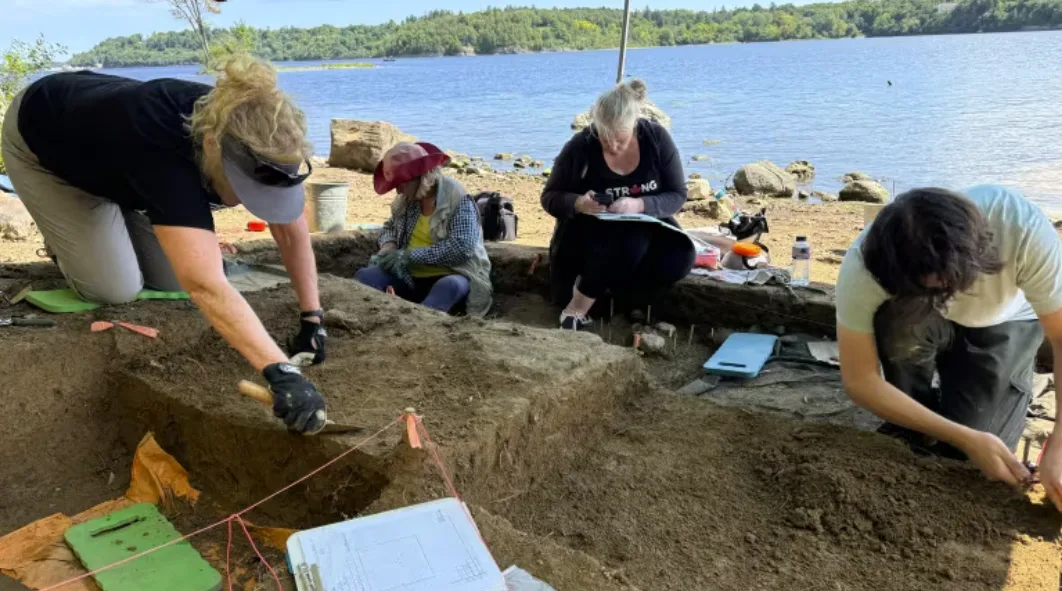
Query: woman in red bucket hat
x,y
431,248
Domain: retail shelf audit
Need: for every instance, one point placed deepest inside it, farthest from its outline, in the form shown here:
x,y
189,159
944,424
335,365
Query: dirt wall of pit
x,y
499,399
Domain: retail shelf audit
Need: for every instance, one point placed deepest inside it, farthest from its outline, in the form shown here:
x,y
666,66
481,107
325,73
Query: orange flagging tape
x,y
637,341
412,436
102,325
144,330
534,264
390,290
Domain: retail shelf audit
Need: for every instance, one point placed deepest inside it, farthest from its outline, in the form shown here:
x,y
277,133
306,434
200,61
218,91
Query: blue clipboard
x,y
742,355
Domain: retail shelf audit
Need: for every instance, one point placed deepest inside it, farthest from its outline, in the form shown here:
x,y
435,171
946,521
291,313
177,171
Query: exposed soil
x,y
685,495
580,464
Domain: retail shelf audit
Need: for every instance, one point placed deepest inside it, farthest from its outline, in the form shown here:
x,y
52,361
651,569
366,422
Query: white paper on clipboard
x,y
429,547
640,217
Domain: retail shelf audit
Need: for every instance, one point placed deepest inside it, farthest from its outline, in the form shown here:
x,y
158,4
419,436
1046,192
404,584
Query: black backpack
x,y
498,217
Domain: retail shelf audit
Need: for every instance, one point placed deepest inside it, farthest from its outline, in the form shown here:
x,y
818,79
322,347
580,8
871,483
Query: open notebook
x,y
430,547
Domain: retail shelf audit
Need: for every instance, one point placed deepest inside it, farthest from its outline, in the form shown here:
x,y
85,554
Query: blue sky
x,y
80,24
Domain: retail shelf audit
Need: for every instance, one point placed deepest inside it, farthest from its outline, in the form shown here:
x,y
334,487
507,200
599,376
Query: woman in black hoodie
x,y
620,164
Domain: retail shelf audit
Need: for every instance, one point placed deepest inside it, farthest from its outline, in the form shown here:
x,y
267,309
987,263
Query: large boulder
x,y
359,145
856,176
649,111
865,191
764,178
15,222
803,170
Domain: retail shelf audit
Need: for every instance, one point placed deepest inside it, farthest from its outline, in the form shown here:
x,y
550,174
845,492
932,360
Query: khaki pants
x,y
107,254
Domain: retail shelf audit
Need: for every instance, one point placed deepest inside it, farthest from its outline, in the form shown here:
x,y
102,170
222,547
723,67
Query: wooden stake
x,y
649,316
692,326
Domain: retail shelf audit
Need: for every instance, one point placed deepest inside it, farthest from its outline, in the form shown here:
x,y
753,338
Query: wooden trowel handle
x,y
258,393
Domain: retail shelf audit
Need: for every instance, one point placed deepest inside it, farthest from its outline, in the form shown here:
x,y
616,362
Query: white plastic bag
x,y
520,580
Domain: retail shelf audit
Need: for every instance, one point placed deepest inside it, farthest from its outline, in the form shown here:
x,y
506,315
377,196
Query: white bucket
x,y
326,206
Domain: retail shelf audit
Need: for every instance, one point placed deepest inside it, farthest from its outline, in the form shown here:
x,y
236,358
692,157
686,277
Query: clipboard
x,y
428,547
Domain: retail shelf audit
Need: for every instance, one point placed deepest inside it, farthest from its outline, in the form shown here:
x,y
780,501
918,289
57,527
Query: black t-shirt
x,y
121,140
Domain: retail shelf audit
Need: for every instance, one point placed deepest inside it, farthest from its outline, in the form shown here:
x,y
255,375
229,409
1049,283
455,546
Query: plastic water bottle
x,y
801,274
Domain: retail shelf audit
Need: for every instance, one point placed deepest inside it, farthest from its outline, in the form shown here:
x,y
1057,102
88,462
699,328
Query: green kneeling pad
x,y
66,301
132,531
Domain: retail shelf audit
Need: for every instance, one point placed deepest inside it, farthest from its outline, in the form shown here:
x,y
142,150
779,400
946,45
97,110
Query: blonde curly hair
x,y
246,105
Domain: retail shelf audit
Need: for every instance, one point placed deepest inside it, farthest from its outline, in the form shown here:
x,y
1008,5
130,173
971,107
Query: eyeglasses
x,y
260,169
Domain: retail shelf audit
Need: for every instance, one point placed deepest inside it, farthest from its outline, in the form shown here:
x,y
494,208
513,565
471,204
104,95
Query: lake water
x,y
961,110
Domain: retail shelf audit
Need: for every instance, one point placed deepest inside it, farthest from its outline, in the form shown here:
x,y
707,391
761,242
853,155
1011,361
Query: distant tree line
x,y
508,30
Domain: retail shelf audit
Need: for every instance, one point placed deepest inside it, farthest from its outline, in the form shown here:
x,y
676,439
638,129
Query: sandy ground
x,y
830,227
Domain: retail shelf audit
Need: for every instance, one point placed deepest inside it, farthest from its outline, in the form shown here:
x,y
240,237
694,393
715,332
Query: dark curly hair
x,y
923,248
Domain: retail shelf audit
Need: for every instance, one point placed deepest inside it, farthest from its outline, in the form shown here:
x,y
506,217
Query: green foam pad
x,y
131,531
66,301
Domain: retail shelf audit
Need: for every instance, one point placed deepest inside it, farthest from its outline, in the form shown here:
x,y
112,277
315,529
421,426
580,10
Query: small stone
x,y
503,156
779,330
700,158
927,532
547,172
695,176
653,343
948,574
519,164
473,170
750,538
907,553
824,196
665,328
15,222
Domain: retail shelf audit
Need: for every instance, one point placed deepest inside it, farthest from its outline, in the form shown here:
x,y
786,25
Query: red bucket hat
x,y
405,162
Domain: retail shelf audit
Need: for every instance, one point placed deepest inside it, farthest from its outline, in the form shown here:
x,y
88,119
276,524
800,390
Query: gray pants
x,y
107,254
986,377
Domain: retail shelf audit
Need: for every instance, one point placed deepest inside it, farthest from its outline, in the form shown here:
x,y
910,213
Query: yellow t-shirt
x,y
422,238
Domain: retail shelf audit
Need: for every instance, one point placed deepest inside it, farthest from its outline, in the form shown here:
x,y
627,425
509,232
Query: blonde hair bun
x,y
245,73
639,90
247,105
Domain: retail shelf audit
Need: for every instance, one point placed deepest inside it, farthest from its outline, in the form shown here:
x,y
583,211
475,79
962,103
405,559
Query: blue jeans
x,y
438,293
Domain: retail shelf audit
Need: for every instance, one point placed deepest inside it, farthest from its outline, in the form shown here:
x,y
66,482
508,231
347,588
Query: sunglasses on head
x,y
260,169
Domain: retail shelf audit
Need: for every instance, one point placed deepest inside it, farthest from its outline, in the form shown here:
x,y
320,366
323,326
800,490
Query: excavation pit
x,y
579,463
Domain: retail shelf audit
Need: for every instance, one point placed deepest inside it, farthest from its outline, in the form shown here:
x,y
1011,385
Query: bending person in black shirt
x,y
121,177
620,164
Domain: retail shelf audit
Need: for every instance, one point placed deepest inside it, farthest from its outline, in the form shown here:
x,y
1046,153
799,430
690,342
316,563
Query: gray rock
x,y
653,343
699,190
15,222
547,172
700,158
665,328
359,145
803,170
473,170
764,178
695,176
856,176
503,156
864,191
824,196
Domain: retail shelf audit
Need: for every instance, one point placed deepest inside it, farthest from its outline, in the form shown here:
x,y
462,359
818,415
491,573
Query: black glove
x,y
295,400
307,347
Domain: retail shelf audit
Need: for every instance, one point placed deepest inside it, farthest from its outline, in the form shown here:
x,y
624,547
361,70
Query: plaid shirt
x,y
458,246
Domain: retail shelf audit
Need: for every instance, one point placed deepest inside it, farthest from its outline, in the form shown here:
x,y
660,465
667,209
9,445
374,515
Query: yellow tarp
x,y
37,556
